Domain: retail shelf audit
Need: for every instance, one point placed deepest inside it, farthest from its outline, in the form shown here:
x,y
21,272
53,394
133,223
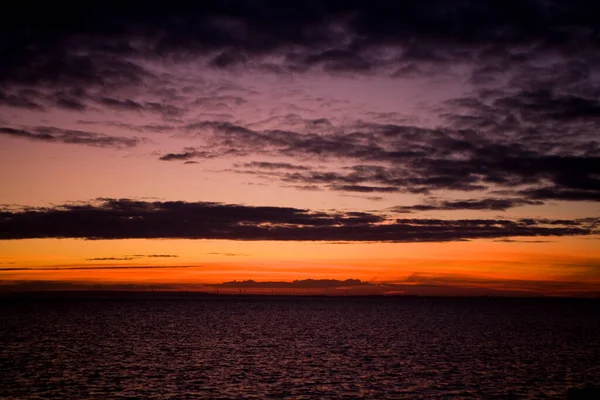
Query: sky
x,y
381,147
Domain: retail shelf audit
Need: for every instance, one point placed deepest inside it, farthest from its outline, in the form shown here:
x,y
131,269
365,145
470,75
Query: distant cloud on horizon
x,y
416,284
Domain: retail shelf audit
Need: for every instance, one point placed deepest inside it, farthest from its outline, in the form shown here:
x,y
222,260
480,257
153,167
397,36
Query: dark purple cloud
x,y
405,158
58,135
274,166
120,219
488,204
77,44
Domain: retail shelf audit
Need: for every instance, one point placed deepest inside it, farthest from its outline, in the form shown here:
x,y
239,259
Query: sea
x,y
171,346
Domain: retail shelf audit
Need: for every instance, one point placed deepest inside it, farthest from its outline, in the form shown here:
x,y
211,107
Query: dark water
x,y
297,348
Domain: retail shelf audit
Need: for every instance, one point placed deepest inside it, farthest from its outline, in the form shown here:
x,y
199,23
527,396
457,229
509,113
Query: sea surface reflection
x,y
160,347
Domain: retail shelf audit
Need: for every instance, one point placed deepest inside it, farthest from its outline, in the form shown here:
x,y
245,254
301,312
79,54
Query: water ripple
x,y
302,348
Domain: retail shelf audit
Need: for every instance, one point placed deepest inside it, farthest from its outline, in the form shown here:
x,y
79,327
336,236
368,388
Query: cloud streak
x,y
132,257
103,267
57,135
123,218
490,204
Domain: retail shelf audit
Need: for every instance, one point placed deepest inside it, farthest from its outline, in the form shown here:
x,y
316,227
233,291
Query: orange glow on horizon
x,y
475,264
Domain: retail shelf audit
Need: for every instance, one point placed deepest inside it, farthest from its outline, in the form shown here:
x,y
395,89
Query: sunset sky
x,y
421,147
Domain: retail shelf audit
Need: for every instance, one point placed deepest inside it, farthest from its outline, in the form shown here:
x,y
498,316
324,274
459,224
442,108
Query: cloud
x,y
187,156
99,267
158,128
53,64
132,257
544,139
167,110
545,104
227,254
372,198
272,165
21,100
414,285
424,284
57,135
326,34
522,241
565,194
296,284
364,188
70,104
489,204
474,284
475,154
123,218
408,39
66,288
